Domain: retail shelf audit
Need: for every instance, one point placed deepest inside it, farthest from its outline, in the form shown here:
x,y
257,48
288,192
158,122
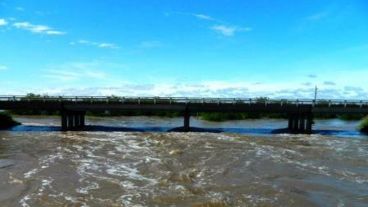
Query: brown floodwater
x,y
52,168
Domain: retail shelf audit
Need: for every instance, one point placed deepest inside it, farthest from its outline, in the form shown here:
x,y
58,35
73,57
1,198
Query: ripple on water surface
x,y
177,169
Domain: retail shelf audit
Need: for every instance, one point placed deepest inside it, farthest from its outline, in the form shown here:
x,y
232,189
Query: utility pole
x,y
315,93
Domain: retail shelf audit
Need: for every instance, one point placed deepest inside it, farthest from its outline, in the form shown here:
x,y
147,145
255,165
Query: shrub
x,y
6,121
364,125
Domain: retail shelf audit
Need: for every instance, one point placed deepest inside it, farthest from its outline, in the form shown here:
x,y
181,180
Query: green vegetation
x,y
33,112
351,117
346,117
34,96
364,125
6,121
135,113
219,117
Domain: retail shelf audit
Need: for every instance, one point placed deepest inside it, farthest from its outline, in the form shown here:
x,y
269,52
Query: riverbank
x,y
6,121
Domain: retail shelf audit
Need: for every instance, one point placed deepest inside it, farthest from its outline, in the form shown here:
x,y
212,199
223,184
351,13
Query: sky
x,y
185,48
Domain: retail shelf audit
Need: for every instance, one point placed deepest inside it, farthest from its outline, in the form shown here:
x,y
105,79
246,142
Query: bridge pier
x,y
186,121
72,120
309,123
300,123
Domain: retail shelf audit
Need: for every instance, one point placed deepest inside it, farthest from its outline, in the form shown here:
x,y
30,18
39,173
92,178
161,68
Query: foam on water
x,y
23,201
193,169
86,189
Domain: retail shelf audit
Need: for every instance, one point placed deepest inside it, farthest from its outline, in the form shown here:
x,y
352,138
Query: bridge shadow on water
x,y
245,131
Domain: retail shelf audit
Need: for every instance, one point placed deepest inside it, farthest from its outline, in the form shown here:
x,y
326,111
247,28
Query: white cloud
x,y
19,8
196,15
96,44
224,30
213,90
40,29
107,45
3,67
312,76
3,22
221,26
75,71
229,31
53,32
62,75
329,83
70,75
204,17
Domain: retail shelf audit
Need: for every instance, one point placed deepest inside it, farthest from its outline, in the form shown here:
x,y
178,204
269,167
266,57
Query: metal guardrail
x,y
172,100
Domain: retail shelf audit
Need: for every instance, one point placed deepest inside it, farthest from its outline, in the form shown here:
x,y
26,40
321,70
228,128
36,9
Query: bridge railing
x,y
172,100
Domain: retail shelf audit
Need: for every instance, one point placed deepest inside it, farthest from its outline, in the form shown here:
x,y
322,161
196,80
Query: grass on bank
x,y
219,117
6,121
364,125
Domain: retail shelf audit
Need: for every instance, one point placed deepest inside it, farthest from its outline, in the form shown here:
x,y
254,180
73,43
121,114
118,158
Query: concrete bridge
x,y
73,109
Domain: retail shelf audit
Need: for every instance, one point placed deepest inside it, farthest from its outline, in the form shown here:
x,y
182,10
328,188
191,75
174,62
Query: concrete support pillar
x,y
290,122
186,121
77,118
80,120
72,120
295,123
83,119
309,123
300,123
64,121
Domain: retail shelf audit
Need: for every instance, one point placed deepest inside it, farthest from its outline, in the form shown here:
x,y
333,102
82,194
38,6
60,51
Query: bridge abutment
x,y
72,120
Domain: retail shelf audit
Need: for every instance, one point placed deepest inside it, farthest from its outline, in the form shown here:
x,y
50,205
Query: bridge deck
x,y
99,103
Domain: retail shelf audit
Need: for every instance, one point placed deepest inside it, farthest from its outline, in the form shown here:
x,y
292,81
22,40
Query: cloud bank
x,y
3,22
205,89
229,31
39,29
95,44
3,67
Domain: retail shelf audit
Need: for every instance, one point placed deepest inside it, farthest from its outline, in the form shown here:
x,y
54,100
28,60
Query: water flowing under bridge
x,y
73,109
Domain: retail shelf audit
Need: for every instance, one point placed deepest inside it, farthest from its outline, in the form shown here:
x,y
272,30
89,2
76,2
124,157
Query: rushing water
x,y
40,166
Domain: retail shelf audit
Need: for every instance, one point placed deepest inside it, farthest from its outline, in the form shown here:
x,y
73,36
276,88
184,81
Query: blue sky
x,y
222,48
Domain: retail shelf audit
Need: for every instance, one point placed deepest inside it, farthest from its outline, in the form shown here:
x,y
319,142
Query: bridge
x,y
73,109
